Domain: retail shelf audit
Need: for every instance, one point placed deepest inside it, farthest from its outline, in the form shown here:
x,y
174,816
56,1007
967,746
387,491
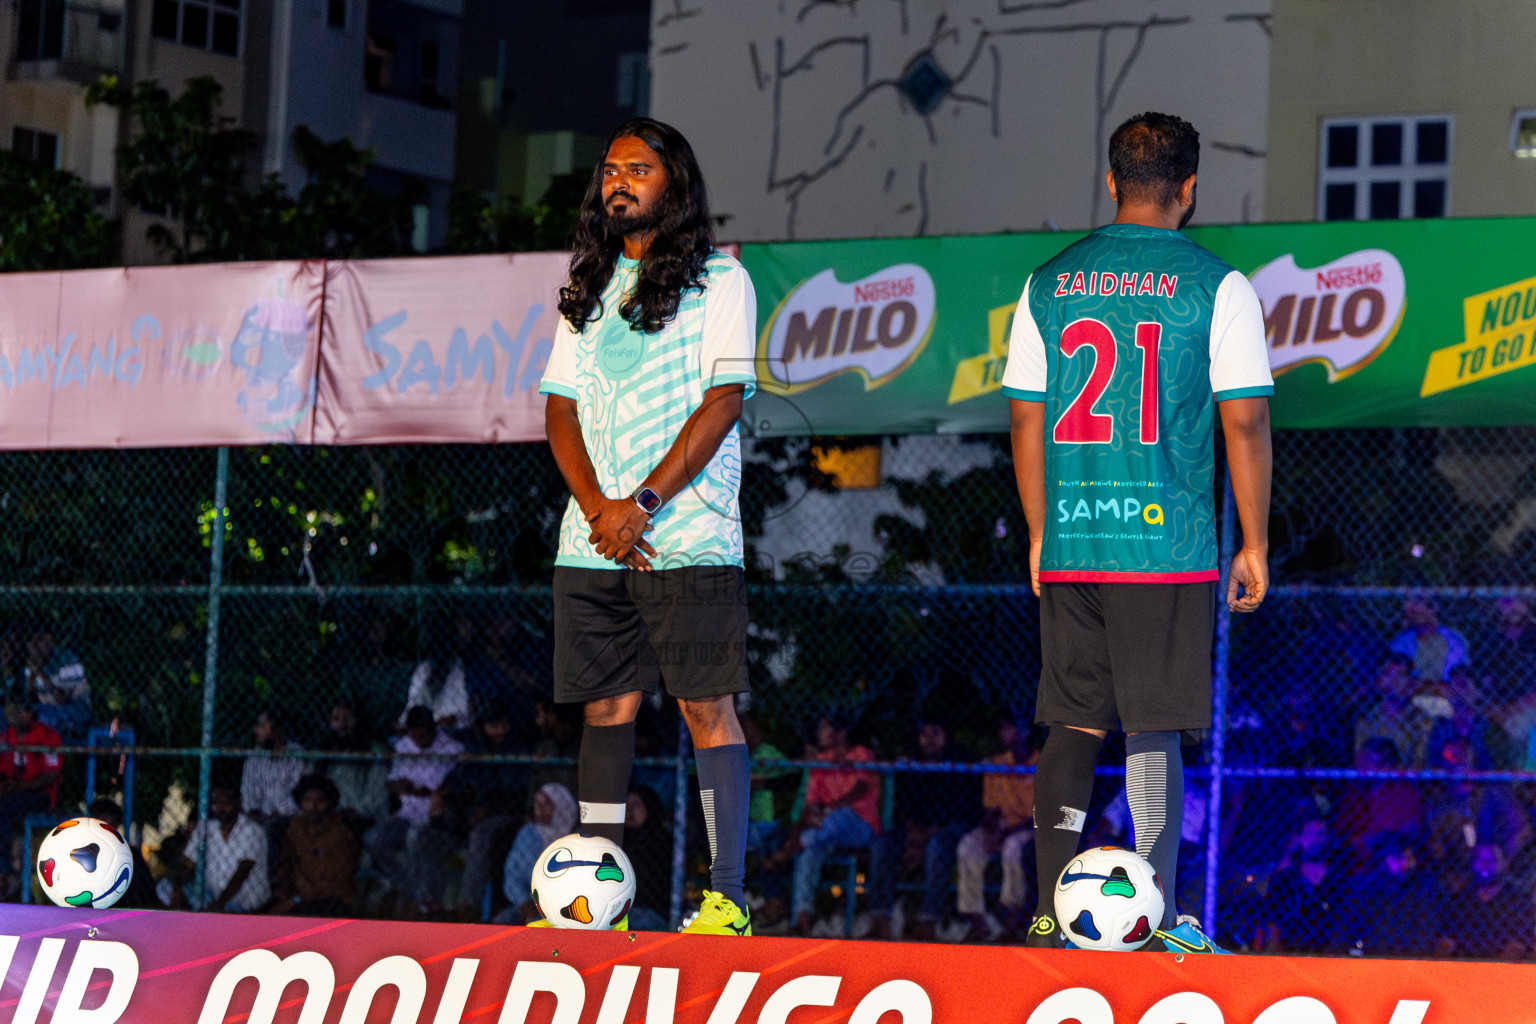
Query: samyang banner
x,y
159,967
1369,324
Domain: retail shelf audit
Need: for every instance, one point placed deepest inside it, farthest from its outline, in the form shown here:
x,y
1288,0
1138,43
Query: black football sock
x,y
1154,787
1063,787
602,778
725,783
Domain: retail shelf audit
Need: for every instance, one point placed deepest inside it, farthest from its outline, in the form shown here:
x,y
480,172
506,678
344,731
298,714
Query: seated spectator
x,y
648,844
1007,827
235,879
1466,721
56,686
932,811
1432,648
266,779
141,890
1395,717
438,684
29,784
412,847
1463,814
361,785
554,815
1308,896
1493,917
1507,654
841,811
559,727
1370,808
492,792
766,825
1397,906
317,862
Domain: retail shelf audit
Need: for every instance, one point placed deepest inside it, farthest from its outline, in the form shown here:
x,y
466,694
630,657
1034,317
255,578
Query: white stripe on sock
x,y
1146,789
602,814
707,798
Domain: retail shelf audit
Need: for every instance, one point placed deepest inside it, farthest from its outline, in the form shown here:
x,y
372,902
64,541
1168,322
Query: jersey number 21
x,y
1079,424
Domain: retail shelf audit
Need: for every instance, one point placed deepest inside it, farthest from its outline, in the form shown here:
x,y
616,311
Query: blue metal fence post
x,y
211,662
1219,684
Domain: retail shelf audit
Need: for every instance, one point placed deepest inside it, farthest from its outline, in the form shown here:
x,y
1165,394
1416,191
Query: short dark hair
x,y
419,717
1151,155
326,787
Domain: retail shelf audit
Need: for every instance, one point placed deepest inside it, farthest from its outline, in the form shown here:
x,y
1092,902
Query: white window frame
x,y
1363,174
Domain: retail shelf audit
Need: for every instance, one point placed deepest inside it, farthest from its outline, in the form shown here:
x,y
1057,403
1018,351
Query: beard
x,y
1189,212
635,220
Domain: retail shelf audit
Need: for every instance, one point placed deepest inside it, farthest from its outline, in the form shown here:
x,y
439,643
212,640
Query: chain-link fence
x,y
1365,788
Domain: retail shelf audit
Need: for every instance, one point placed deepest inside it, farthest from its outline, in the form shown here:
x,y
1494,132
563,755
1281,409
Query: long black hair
x,y
675,260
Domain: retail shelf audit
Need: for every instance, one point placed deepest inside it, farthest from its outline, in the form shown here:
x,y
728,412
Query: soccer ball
x,y
84,862
583,882
1109,898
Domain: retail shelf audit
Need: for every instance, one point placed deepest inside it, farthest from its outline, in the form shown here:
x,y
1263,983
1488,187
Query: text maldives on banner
x,y
445,350
159,356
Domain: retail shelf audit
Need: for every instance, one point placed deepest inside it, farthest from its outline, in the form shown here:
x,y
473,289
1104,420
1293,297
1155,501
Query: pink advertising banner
x,y
445,349
159,356
375,352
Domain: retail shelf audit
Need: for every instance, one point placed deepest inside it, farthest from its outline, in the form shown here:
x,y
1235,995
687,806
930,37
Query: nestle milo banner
x,y
1374,324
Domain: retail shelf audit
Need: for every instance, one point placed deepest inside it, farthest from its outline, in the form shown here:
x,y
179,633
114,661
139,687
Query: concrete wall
x,y
803,129
1333,58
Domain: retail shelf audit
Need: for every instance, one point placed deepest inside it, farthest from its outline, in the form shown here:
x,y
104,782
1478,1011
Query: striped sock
x,y
1154,787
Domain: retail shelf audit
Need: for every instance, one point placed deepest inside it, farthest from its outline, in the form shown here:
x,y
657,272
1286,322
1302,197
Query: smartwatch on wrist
x,y
648,500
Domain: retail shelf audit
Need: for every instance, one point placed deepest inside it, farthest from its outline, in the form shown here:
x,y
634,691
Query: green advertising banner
x,y
1370,324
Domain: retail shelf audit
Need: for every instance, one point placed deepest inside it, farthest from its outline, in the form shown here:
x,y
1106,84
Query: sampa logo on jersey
x,y
1342,314
874,326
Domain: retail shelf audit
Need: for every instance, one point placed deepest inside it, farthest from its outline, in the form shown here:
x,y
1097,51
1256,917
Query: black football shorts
x,y
623,631
1129,656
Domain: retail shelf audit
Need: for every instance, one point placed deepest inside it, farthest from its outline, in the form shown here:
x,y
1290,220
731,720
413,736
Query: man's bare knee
x,y
620,710
712,721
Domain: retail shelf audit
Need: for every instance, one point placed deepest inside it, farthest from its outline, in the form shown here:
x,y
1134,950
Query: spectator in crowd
x,y
492,792
559,742
235,879
1490,908
1462,717
1432,648
554,815
374,673
1395,717
141,889
932,811
317,862
413,846
1371,808
29,783
841,811
766,832
54,683
361,785
648,844
1463,814
267,778
439,685
1397,906
1507,654
1007,827
1308,898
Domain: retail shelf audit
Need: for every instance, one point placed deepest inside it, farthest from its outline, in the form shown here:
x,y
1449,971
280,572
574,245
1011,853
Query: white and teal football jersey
x,y
1130,337
633,393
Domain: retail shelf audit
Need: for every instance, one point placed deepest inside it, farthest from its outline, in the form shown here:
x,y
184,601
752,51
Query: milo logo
x,y
1342,314
874,326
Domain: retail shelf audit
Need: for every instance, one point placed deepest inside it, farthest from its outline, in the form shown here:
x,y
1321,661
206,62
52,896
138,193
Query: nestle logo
x,y
881,291
1348,277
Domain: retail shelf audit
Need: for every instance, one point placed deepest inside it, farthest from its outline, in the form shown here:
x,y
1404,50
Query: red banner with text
x,y
102,967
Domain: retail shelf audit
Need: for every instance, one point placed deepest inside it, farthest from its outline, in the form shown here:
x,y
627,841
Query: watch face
x,y
648,500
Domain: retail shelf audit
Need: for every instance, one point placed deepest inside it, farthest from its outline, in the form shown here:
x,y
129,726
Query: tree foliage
x,y
479,224
49,220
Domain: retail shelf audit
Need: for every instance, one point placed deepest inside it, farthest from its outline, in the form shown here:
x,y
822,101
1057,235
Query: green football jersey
x,y
1130,337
